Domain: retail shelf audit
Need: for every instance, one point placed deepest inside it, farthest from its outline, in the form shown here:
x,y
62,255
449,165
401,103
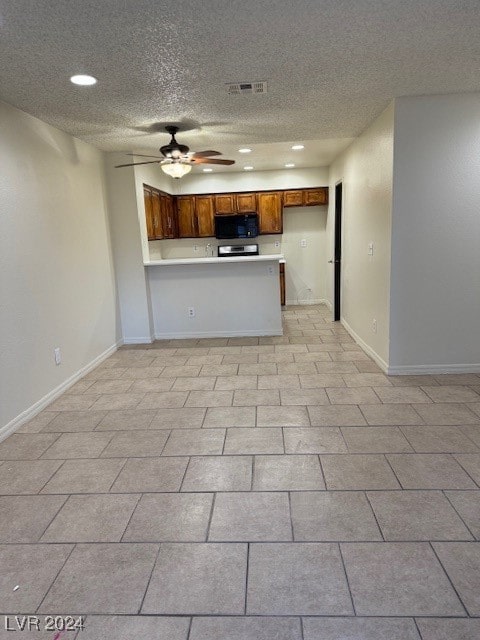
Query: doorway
x,y
337,257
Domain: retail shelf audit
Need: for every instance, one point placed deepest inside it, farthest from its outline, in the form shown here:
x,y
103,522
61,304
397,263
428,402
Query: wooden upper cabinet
x,y
293,198
246,202
167,213
157,215
204,212
147,197
270,212
313,197
224,203
186,217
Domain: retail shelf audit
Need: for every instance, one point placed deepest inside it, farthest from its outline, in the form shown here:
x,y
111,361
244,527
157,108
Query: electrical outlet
x,y
195,247
277,244
374,325
370,249
303,243
191,312
58,355
270,270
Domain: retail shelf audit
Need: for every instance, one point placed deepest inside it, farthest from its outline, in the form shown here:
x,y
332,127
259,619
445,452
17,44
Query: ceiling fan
x,y
177,158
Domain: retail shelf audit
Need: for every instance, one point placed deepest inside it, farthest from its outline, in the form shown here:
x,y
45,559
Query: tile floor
x,y
260,488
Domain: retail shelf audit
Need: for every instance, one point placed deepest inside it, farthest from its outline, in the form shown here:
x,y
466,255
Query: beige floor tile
x,y
296,368
179,418
283,416
406,395
253,441
70,402
143,372
321,381
150,475
116,401
258,348
164,400
252,397
128,627
125,570
475,407
245,628
219,370
195,442
297,579
290,348
355,628
209,399
331,516
336,416
415,583
261,369
181,371
78,445
251,517
136,444
32,567
359,472
429,471
218,473
458,378
442,439
279,358
366,380
357,395
25,518
467,505
202,360
314,440
228,383
336,367
471,463
198,579
417,515
461,561
26,446
287,473
241,358
413,381
391,414
110,386
38,423
449,628
129,419
452,393
446,413
194,384
170,517
26,477
375,440
71,421
97,518
230,417
283,381
83,476
303,397
321,356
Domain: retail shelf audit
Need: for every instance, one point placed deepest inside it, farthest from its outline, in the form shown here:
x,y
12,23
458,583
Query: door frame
x,y
337,251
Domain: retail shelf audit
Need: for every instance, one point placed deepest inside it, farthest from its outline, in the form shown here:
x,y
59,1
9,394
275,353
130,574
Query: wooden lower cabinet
x,y
281,268
269,208
204,214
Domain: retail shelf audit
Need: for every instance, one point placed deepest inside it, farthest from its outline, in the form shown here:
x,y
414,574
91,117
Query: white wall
x,y
435,310
366,170
56,272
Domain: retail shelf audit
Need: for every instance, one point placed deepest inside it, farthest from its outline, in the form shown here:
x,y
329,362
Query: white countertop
x,y
264,258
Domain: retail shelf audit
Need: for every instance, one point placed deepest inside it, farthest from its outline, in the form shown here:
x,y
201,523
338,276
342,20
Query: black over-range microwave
x,y
237,226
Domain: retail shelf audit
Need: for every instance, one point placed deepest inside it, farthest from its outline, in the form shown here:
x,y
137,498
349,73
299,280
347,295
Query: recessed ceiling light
x,y
298,147
208,170
289,165
83,80
244,150
248,168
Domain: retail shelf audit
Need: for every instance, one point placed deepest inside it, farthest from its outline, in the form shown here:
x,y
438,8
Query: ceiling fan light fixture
x,y
244,150
298,147
176,169
289,165
248,168
83,80
207,170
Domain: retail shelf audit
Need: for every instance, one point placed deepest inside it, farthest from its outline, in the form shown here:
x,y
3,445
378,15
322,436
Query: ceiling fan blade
x,y
211,161
142,155
134,164
205,154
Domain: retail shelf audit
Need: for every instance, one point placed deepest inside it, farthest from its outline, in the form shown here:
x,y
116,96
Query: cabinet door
x,y
166,210
281,269
246,202
147,197
204,211
270,212
224,203
157,215
186,216
293,198
315,196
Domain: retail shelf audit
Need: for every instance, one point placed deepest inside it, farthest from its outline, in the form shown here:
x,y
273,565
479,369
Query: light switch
x,y
370,249
303,242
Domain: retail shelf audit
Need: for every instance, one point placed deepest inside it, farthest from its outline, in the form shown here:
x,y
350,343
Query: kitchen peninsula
x,y
215,297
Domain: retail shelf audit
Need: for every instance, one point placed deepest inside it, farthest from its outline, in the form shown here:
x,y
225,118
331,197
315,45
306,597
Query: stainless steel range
x,y
233,250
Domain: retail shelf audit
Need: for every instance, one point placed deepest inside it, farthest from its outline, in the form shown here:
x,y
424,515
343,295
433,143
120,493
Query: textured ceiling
x,y
331,67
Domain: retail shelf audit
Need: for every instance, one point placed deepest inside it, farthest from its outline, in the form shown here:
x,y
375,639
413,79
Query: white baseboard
x,y
32,411
373,354
218,334
145,340
433,369
308,301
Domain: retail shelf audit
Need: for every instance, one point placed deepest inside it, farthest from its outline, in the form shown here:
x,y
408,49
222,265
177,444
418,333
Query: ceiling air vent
x,y
238,88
